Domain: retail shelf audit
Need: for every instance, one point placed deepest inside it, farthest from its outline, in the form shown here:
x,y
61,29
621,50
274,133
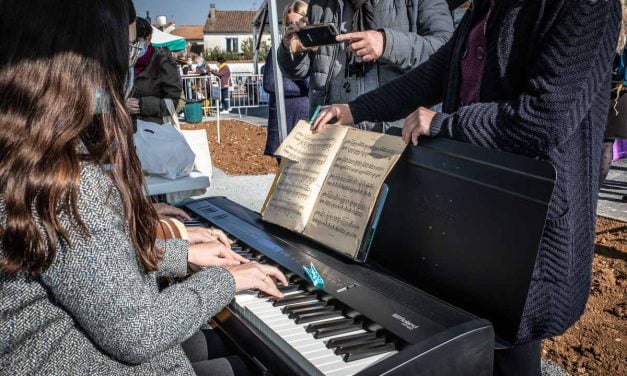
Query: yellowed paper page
x,y
349,193
310,157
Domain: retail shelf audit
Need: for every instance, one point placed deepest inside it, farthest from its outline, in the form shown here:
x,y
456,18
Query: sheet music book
x,y
329,184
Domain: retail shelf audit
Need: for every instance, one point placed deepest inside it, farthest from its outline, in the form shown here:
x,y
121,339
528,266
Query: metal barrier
x,y
246,91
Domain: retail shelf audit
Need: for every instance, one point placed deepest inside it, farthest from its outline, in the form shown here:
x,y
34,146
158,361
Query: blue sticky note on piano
x,y
313,274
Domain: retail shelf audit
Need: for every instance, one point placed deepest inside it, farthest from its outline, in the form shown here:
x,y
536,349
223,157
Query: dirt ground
x,y
597,343
241,149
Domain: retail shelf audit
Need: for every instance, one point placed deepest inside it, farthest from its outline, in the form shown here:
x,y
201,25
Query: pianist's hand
x,y
213,254
258,277
340,112
165,210
205,235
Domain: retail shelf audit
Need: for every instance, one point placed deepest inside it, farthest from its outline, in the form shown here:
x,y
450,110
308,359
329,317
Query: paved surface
x,y
256,116
248,191
611,203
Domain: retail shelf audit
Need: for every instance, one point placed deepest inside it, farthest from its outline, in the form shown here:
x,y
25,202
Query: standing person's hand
x,y
291,41
259,277
132,105
340,112
165,210
213,254
418,123
368,45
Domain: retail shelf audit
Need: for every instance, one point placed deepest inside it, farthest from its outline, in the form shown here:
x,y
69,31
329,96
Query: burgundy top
x,y
144,61
473,59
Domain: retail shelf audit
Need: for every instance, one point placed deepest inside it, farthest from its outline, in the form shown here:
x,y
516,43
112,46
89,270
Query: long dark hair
x,y
55,56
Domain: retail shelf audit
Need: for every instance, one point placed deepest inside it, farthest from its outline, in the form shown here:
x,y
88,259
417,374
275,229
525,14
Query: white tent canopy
x,y
171,42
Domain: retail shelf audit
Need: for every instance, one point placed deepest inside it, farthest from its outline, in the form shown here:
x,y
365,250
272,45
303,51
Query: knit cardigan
x,y
545,94
95,311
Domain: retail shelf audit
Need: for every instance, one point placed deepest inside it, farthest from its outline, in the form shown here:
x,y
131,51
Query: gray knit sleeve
x,y
174,262
97,279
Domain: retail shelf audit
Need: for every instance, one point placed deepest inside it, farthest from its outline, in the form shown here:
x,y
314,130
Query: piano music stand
x,y
464,224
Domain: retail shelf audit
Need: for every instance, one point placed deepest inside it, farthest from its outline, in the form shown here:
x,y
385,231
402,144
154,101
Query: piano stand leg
x,y
518,360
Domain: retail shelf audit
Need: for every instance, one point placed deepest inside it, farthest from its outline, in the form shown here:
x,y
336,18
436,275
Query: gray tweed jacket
x,y
95,311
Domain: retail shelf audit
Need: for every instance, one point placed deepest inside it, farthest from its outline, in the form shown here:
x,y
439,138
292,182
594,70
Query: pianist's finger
x,y
268,286
236,256
221,237
275,273
200,235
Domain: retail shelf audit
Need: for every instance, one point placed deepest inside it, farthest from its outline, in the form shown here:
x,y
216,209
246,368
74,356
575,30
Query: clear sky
x,y
190,12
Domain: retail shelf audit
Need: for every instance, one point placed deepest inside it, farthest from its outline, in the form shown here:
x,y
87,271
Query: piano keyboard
x,y
334,338
361,322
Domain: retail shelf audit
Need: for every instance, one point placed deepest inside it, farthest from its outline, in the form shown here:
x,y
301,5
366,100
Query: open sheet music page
x,y
294,194
350,190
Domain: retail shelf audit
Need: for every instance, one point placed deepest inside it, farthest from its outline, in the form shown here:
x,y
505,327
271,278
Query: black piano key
x,y
291,308
330,332
309,310
366,353
291,299
311,317
329,324
350,340
359,346
288,274
288,288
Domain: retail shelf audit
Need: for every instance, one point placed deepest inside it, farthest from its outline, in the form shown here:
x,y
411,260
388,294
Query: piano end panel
x,y
464,350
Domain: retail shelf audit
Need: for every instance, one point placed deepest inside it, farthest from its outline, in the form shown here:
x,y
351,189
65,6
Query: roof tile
x,y
229,21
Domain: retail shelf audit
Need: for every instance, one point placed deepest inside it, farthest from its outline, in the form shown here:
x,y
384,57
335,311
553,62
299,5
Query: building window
x,y
232,45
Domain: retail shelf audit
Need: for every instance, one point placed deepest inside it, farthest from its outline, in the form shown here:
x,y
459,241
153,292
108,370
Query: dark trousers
x,y
210,356
225,99
520,360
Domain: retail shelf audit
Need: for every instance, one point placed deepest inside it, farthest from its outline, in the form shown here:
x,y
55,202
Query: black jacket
x,y
545,94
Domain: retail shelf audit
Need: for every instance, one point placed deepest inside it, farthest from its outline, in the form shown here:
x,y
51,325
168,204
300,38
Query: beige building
x,y
227,30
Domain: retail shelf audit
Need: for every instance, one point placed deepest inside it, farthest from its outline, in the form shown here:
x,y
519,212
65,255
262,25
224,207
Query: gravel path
x,y
551,369
611,203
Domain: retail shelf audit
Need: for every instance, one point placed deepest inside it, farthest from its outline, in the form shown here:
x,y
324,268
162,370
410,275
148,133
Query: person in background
x,y
380,40
296,92
224,72
531,78
79,252
615,138
156,79
201,66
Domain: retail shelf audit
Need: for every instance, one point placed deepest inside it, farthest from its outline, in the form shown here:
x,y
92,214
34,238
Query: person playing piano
x,y
79,254
528,77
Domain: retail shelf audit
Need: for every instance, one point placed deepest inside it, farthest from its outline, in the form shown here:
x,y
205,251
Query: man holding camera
x,y
379,40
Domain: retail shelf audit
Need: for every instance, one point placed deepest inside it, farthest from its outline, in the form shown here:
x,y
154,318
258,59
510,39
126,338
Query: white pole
x,y
278,75
255,52
218,118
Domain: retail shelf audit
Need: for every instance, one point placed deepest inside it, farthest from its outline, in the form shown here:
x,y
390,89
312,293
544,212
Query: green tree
x,y
249,52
